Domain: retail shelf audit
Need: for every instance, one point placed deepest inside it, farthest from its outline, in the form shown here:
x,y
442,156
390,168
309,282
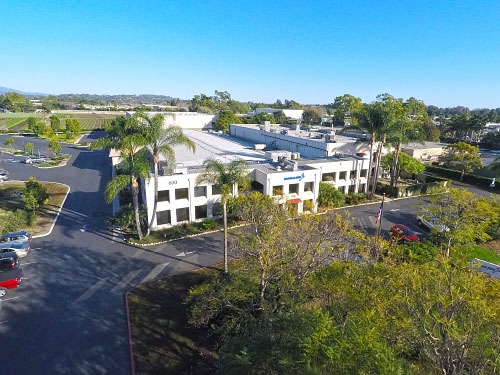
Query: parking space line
x,y
155,272
90,291
125,281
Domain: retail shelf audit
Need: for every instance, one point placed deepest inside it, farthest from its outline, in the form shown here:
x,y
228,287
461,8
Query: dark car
x,y
401,233
8,261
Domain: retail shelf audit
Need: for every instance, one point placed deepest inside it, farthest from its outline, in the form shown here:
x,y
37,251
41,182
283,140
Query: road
x,y
68,316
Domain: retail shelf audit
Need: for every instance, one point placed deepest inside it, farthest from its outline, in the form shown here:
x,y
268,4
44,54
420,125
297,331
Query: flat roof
x,y
216,145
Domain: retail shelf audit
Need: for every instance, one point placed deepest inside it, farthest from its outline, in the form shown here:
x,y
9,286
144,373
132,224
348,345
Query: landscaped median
x,y
11,202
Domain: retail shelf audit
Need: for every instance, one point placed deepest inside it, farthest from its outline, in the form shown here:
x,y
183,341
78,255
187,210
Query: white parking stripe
x,y
138,253
124,282
90,291
154,272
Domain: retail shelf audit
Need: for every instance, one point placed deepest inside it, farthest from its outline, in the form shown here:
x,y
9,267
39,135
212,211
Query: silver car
x,y
21,248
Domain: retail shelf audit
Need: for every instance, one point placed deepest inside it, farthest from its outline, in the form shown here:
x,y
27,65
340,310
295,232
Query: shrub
x,y
416,252
329,196
209,224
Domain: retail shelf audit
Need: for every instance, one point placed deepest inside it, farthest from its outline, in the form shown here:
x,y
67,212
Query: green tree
x,y
73,126
225,119
55,123
9,142
28,147
280,117
311,116
225,177
260,118
14,102
161,141
39,128
463,217
203,104
126,136
35,195
406,126
55,147
329,196
405,163
32,121
347,107
463,156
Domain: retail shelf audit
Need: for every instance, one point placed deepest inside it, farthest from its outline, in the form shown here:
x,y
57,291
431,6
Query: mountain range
x,y
4,90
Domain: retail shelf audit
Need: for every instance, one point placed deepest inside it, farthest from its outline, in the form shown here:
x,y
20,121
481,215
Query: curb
x,y
129,330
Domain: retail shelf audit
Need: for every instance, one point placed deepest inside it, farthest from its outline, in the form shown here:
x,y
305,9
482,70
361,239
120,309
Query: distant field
x,y
88,121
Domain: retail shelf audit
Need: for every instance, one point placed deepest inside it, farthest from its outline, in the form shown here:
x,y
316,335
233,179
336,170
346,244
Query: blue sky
x,y
445,53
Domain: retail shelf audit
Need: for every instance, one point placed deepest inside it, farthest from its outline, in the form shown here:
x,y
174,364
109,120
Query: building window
x,y
341,189
163,195
328,176
200,191
278,190
352,188
216,189
217,209
163,217
342,175
364,173
352,175
182,214
362,188
181,193
293,189
200,212
308,186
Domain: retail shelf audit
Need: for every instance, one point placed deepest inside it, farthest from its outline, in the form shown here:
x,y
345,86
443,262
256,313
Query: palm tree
x,y
160,142
226,177
124,135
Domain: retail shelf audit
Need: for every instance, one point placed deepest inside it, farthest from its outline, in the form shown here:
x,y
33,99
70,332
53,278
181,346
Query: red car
x,y
401,233
11,274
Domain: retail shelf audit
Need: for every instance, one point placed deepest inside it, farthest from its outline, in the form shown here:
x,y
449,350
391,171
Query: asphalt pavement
x,y
68,315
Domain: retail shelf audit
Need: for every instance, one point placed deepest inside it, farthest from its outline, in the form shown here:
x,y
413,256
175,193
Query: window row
x,y
332,176
183,193
182,214
292,188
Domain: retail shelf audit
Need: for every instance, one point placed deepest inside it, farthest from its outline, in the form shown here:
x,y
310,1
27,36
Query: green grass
x,y
46,215
479,252
88,121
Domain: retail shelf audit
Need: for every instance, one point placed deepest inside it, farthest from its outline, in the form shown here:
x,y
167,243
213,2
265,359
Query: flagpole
x,y
379,222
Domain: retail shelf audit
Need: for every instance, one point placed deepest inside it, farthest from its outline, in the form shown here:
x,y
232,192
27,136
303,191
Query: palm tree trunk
x,y
394,169
135,199
377,165
372,140
155,203
224,205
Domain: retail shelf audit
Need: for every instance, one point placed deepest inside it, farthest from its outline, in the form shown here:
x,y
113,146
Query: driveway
x,y
68,316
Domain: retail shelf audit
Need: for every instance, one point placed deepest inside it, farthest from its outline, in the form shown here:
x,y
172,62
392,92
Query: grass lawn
x,y
479,252
163,342
10,200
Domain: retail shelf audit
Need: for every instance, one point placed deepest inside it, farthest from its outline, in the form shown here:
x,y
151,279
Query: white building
x,y
285,174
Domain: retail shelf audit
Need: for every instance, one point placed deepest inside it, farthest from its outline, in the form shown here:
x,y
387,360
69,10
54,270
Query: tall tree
x,y
462,155
347,106
406,126
125,135
226,177
161,141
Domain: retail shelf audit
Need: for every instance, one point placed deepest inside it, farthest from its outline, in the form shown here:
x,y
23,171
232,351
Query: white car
x,y
431,223
3,176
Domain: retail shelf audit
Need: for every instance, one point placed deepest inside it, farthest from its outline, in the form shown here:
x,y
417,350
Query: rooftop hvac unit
x,y
295,155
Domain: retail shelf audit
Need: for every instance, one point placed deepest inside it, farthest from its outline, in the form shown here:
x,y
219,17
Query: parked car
x,y
21,248
15,236
8,261
3,176
401,233
35,159
11,273
431,223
